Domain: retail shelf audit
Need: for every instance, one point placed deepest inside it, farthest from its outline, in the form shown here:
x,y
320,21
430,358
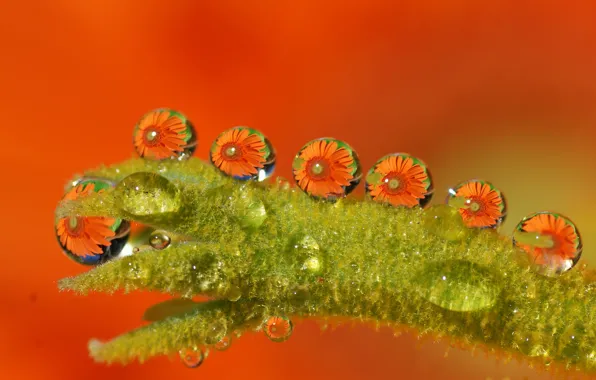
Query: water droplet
x,y
480,203
243,153
312,264
215,332
278,329
147,194
164,134
551,241
327,169
159,240
73,233
400,180
252,213
234,293
458,285
224,343
282,183
192,357
444,221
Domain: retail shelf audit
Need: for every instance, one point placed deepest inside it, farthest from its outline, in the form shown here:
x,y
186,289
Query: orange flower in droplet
x,y
325,169
83,236
402,183
562,233
160,135
278,328
487,204
239,153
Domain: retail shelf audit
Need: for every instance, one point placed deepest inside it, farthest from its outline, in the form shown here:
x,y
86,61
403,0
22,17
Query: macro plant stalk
x,y
261,250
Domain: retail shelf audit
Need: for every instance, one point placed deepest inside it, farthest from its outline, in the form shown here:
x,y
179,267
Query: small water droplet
x,y
444,221
192,357
251,214
146,194
411,187
159,240
315,169
457,285
278,329
215,332
224,343
243,153
480,203
164,134
552,242
234,293
312,264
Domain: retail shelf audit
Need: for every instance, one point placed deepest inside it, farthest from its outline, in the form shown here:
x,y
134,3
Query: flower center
x,y
75,225
318,168
474,205
394,183
231,151
151,136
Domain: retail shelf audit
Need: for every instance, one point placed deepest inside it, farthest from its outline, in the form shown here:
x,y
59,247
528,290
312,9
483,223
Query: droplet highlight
x,y
551,240
192,357
164,134
278,329
400,179
480,203
159,240
91,240
327,169
147,194
243,153
457,285
224,343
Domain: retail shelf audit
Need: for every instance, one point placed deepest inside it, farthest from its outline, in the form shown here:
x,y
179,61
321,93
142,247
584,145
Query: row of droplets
x,y
329,169
276,328
325,169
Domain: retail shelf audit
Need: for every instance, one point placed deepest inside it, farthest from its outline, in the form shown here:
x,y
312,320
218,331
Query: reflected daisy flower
x,y
400,180
242,153
326,168
482,205
162,134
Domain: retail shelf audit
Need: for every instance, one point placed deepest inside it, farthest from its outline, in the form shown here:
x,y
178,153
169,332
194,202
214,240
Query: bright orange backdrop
x,y
501,90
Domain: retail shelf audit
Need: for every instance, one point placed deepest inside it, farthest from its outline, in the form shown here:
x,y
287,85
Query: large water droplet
x,y
164,134
480,203
252,214
278,329
159,240
458,285
444,221
192,357
147,194
551,241
243,153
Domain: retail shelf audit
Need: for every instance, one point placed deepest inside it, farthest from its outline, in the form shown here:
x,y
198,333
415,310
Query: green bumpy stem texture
x,y
270,250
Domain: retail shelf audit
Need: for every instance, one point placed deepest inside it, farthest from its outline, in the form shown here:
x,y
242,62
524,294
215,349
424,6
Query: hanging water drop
x,y
192,357
215,332
224,343
164,134
91,240
147,194
159,240
278,329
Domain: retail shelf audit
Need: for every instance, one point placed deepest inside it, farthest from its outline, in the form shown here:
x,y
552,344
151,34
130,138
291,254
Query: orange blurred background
x,y
503,90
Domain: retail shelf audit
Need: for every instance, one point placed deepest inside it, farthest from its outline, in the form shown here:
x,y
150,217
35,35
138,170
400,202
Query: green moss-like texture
x,y
268,250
